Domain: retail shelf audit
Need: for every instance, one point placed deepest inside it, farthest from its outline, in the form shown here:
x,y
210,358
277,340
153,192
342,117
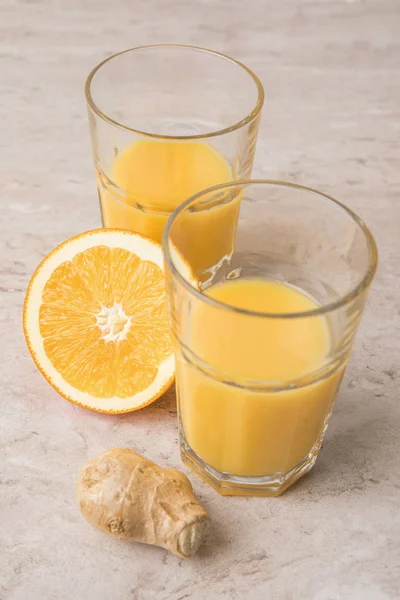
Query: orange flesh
x,y
72,300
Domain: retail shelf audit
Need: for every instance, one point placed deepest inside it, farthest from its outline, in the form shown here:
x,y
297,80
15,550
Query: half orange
x,y
95,321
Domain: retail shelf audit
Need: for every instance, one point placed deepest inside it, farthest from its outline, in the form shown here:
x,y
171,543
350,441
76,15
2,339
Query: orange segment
x,y
95,320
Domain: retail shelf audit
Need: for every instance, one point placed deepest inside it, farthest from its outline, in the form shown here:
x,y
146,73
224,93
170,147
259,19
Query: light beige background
x,y
331,120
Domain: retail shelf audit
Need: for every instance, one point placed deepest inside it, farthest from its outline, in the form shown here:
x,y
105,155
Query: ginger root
x,y
130,497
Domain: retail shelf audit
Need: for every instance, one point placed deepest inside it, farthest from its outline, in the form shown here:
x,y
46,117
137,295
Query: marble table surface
x,y
332,120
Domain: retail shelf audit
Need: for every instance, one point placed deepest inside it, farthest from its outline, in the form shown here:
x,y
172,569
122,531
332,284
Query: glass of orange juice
x,y
167,121
261,344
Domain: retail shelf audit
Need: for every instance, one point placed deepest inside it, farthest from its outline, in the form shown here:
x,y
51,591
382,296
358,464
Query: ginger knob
x,y
130,497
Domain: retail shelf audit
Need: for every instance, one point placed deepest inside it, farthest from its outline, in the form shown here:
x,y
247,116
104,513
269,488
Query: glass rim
x,y
238,125
322,310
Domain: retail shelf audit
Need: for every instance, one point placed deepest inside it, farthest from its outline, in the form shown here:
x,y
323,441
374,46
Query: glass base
x,y
233,485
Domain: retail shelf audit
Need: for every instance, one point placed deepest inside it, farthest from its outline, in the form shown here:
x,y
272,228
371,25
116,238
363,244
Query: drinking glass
x,y
167,121
256,385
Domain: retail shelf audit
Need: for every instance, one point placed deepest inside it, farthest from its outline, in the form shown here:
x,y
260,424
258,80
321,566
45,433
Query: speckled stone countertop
x,y
332,120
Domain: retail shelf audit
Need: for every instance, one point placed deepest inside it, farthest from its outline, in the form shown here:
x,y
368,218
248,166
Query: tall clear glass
x,y
257,371
167,121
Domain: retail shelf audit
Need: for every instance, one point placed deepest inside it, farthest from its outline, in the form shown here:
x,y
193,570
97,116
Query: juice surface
x,y
151,178
161,175
238,430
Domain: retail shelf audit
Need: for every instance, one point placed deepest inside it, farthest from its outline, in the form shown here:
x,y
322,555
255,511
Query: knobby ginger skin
x,y
130,497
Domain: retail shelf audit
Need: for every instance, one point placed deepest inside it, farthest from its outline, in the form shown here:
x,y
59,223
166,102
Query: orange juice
x,y
149,179
233,425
